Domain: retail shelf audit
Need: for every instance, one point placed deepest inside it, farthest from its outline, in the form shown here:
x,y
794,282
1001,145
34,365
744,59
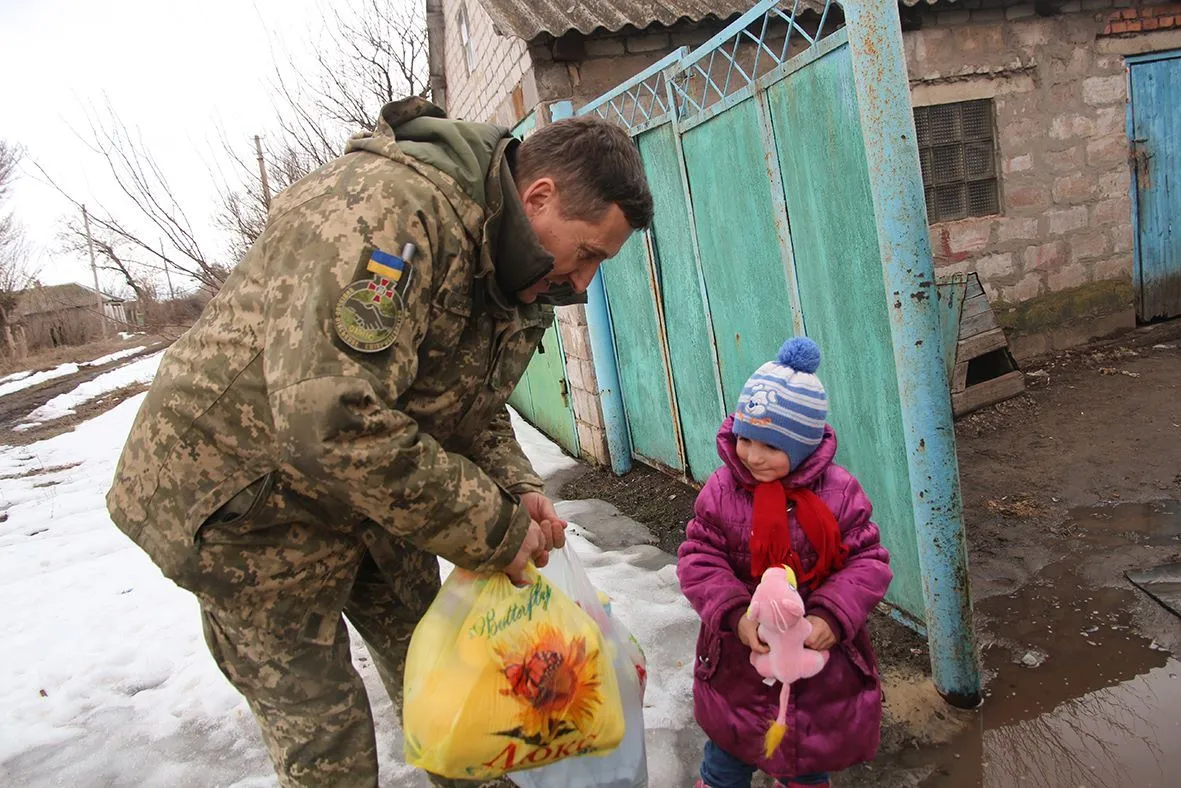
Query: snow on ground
x,y
36,379
106,677
16,376
139,371
23,380
116,356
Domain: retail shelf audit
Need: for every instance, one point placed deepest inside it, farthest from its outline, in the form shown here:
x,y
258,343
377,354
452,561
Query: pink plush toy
x,y
778,610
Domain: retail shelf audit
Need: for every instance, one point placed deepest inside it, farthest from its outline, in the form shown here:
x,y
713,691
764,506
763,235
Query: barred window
x,y
958,153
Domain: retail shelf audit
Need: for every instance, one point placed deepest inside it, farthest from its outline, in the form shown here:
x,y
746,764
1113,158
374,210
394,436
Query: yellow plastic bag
x,y
501,679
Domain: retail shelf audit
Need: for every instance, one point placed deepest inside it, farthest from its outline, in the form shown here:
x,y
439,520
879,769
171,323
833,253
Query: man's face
x,y
579,247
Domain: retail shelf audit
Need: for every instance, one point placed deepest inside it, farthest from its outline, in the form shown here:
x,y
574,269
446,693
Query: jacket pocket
x,y
709,654
240,509
862,664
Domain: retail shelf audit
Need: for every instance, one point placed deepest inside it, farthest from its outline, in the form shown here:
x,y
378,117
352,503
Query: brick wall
x,y
500,88
1143,19
1062,146
583,386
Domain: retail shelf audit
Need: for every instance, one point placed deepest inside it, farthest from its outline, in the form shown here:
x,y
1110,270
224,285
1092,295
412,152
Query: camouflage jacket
x,y
375,384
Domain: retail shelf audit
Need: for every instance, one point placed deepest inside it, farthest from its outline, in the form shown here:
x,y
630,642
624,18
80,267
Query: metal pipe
x,y
887,124
598,320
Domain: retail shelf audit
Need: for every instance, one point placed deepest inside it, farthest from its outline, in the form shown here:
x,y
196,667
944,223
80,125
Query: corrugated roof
x,y
528,19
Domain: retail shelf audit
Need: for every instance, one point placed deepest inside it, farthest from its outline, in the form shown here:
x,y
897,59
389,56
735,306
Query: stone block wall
x,y
582,69
1062,148
1059,90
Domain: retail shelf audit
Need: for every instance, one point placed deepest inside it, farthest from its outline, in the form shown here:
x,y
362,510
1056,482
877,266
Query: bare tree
x,y
16,268
154,229
373,53
116,255
243,210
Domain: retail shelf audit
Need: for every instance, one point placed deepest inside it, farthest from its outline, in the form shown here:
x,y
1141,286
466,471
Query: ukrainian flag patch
x,y
387,265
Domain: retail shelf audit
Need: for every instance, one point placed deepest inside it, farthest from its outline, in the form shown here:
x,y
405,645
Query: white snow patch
x,y
37,378
107,679
139,371
120,354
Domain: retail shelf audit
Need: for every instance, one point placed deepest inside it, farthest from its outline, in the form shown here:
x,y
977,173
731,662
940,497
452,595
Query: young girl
x,y
779,499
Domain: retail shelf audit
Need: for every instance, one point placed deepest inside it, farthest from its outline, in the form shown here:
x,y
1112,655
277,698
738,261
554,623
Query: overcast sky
x,y
176,72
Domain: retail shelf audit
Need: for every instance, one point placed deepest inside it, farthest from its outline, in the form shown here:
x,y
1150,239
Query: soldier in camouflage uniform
x,y
336,418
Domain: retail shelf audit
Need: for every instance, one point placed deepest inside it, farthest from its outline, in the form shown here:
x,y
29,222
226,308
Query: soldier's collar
x,y
512,253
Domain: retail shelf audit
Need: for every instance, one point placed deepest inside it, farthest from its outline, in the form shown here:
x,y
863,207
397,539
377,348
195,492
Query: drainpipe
x,y
435,30
598,319
887,124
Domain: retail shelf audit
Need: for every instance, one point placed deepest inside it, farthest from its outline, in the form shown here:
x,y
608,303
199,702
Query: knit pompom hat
x,y
784,404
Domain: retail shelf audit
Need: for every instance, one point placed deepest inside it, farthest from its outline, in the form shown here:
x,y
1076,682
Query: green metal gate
x,y
789,200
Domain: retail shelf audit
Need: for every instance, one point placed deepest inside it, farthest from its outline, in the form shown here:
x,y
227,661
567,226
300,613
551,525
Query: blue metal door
x,y
1155,126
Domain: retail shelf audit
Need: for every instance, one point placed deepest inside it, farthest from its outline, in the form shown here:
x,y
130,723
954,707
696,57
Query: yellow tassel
x,y
774,738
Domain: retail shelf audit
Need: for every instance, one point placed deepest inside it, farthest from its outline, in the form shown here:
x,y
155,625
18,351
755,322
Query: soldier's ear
x,y
539,196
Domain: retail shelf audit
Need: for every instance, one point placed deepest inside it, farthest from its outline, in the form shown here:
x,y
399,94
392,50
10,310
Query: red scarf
x,y
770,544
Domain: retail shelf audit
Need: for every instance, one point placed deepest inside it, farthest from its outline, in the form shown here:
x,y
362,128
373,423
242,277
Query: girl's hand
x,y
748,633
822,638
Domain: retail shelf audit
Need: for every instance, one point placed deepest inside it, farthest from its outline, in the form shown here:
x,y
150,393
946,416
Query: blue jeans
x,y
720,769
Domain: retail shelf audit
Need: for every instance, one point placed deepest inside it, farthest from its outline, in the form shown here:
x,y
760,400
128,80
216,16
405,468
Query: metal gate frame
x,y
873,35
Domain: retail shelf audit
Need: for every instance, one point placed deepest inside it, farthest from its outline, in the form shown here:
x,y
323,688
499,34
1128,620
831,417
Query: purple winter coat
x,y
834,718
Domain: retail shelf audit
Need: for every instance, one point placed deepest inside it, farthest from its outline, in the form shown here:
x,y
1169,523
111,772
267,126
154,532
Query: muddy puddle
x,y
1075,696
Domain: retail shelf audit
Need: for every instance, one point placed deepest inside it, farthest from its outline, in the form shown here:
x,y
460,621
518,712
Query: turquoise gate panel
x,y
687,328
549,392
842,292
764,141
522,399
639,350
1156,140
744,276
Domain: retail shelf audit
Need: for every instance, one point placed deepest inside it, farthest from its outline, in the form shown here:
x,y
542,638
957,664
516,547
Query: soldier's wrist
x,y
526,486
507,536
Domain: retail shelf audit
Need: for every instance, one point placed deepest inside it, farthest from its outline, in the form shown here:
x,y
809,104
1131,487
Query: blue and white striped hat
x,y
784,404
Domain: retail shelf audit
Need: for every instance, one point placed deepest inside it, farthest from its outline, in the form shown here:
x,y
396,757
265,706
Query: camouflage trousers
x,y
273,584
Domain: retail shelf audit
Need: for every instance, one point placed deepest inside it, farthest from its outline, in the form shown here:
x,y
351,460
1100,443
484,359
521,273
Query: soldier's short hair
x,y
593,163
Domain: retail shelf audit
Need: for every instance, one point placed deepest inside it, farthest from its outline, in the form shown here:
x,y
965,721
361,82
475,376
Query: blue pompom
x,y
801,354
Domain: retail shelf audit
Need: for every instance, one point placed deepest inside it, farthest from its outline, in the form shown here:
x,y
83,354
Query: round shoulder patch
x,y
368,314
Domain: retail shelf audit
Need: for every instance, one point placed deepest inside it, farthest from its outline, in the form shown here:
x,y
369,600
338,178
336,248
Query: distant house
x,y
65,315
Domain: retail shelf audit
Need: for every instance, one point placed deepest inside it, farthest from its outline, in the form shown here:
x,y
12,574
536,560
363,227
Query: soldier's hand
x,y
535,547
541,509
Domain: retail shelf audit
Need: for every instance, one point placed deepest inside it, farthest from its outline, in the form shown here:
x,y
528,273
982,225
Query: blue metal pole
x,y
598,320
602,340
887,123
